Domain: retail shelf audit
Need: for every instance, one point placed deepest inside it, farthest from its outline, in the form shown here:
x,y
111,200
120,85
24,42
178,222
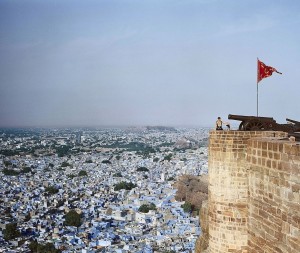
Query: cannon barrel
x,y
247,118
293,121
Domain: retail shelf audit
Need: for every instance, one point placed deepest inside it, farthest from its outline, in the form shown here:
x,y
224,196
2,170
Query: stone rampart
x,y
229,189
274,196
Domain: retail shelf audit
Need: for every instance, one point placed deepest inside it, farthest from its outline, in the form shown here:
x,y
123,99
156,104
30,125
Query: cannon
x,y
293,121
253,123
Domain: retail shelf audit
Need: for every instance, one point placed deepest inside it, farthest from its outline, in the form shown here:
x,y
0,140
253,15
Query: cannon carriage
x,y
253,123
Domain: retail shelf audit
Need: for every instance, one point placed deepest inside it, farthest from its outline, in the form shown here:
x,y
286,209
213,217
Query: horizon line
x,y
105,126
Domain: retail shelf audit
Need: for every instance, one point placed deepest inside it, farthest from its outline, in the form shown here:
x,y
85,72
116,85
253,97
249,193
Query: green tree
x,y
26,170
72,218
10,172
142,169
7,163
145,208
51,190
63,150
118,174
11,231
27,217
36,247
33,246
71,176
65,164
8,152
187,207
156,159
82,173
124,185
47,248
168,157
106,161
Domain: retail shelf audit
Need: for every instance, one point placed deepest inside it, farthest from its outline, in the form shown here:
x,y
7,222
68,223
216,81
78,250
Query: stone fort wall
x,y
274,196
254,184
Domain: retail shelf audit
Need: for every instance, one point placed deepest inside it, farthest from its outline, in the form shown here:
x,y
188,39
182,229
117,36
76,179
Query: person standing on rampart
x,y
219,123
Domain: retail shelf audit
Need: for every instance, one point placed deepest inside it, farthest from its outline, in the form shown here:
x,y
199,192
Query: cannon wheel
x,y
253,125
242,126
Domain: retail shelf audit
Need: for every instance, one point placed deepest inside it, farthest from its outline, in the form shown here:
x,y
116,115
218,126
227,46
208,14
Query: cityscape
x,y
149,126
98,190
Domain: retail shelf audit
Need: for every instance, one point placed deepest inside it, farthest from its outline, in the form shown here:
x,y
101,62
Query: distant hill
x,y
161,128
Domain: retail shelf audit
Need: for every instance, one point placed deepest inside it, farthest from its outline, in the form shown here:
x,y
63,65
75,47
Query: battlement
x,y
254,192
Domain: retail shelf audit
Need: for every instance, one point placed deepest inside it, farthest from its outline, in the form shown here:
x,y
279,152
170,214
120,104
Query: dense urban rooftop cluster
x,y
98,190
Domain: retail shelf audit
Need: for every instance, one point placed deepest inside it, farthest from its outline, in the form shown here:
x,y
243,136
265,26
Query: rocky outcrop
x,y
202,241
192,189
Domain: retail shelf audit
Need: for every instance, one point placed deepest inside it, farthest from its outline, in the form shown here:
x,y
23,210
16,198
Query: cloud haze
x,y
81,63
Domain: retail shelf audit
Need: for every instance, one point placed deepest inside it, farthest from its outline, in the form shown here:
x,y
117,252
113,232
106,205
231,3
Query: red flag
x,y
264,71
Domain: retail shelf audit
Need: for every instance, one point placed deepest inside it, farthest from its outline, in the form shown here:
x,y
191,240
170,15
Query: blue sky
x,y
133,62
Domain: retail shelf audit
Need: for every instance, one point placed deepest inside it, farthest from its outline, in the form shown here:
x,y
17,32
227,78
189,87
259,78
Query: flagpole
x,y
257,89
256,99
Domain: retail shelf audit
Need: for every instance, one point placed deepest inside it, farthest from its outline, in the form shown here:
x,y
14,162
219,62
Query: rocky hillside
x,y
192,189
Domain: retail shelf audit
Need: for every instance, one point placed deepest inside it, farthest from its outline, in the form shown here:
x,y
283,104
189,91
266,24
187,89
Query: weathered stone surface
x,y
202,242
228,187
274,206
254,193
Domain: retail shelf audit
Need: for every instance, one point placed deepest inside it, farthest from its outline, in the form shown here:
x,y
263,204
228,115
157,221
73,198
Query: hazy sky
x,y
141,62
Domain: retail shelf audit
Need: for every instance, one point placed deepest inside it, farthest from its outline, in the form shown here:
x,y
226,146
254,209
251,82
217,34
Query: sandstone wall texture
x,y
274,196
228,189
